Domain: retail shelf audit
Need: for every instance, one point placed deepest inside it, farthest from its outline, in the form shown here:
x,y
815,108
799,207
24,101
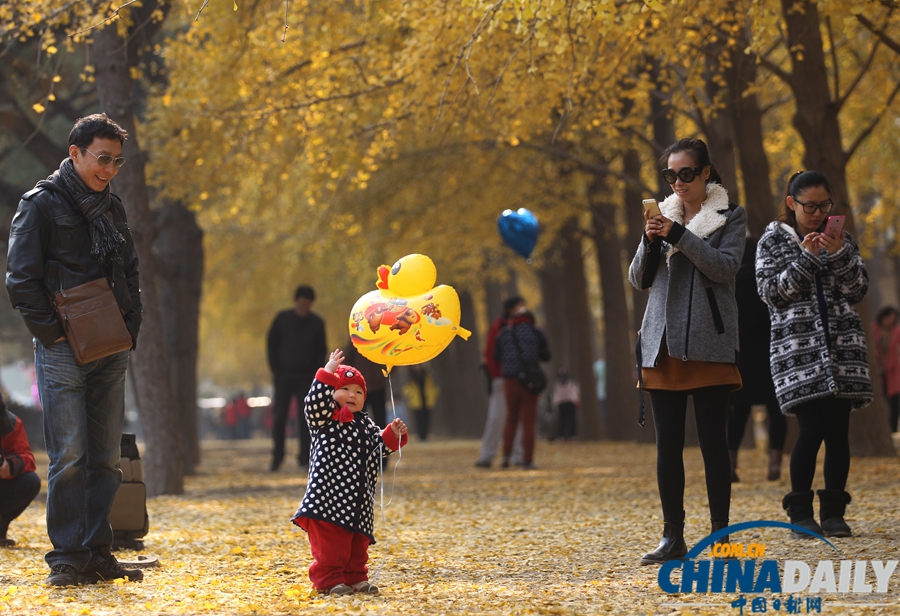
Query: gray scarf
x,y
93,206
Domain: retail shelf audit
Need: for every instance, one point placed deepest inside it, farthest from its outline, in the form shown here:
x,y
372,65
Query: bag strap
x,y
639,356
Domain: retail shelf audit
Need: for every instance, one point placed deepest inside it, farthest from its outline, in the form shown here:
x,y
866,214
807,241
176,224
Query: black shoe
x,y
106,567
505,463
276,463
671,547
799,507
528,466
483,464
62,574
832,505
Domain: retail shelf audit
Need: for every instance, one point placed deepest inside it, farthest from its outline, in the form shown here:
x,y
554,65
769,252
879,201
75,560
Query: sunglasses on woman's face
x,y
685,174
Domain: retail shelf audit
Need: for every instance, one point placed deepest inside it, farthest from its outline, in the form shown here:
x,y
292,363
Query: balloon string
x,y
382,504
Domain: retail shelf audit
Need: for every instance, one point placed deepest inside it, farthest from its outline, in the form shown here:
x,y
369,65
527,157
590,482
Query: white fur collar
x,y
707,221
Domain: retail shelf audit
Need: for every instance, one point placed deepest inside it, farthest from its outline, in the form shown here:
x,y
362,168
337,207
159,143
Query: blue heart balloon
x,y
519,229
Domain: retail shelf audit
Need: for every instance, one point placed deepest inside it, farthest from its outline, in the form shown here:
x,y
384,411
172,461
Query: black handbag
x,y
530,375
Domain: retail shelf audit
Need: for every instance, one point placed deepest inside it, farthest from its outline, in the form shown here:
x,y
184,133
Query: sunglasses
x,y
685,174
104,159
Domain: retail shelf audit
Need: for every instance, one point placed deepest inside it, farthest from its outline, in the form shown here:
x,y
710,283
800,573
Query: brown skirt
x,y
673,374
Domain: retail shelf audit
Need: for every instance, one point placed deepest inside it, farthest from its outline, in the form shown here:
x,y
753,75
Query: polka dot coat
x,y
343,462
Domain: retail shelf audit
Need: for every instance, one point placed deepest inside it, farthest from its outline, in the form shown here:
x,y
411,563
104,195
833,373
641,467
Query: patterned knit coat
x,y
807,365
343,462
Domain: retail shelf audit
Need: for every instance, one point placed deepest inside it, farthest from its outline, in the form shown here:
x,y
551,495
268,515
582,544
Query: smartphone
x,y
650,205
836,224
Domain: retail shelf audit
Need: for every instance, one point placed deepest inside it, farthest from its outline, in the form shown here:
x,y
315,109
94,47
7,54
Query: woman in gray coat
x,y
688,258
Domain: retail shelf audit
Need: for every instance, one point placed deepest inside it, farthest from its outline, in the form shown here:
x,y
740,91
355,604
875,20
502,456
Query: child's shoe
x,y
340,589
365,587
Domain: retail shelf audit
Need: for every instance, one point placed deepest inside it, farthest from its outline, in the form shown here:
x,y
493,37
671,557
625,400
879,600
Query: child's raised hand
x,y
335,360
399,428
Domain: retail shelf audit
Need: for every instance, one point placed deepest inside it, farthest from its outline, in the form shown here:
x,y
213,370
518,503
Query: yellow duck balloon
x,y
407,320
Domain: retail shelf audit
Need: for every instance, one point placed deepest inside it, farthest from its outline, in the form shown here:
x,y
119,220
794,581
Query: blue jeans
x,y
84,410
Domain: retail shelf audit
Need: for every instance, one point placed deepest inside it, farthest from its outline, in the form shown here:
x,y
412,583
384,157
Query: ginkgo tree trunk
x,y
816,120
160,419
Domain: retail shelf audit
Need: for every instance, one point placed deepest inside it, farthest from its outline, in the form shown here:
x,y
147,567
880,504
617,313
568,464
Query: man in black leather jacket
x,y
67,231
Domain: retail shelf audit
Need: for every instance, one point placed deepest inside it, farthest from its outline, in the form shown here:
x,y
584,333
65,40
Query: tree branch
x,y
868,130
775,69
115,14
314,101
871,27
834,61
464,53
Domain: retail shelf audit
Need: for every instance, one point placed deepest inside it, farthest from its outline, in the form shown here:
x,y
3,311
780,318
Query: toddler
x,y
347,447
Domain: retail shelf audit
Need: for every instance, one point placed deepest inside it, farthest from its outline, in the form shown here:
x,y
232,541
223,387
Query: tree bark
x,y
746,117
634,217
164,465
663,127
461,408
553,302
179,252
720,133
621,395
580,359
816,120
495,293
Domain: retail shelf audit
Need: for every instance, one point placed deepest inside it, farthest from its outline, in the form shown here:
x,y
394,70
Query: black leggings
x,y
711,411
737,422
828,420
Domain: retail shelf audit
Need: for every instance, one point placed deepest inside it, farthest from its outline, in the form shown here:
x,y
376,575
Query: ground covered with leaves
x,y
453,539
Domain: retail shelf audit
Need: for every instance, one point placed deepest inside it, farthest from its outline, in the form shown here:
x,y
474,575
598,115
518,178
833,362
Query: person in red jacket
x,y
496,416
19,484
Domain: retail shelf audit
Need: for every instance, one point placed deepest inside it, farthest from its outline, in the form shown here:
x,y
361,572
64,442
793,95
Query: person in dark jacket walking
x,y
754,329
688,257
68,231
811,280
296,349
19,484
520,343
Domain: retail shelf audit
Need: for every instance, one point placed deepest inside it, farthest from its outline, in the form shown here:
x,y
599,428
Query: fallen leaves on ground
x,y
452,538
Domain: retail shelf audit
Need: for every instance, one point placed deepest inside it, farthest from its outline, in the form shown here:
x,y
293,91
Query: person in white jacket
x,y
566,399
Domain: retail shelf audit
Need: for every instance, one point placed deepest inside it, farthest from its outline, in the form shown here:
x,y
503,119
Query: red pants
x,y
521,404
339,556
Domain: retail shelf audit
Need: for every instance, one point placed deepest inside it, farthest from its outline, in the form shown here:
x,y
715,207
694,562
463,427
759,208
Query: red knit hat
x,y
347,375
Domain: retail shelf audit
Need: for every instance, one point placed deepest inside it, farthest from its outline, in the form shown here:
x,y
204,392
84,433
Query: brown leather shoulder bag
x,y
92,321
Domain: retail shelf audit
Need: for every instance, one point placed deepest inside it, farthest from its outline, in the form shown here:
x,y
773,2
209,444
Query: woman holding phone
x,y
811,276
688,257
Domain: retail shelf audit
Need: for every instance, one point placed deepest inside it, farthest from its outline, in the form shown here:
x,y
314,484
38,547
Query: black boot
x,y
799,507
733,455
719,525
672,545
832,504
